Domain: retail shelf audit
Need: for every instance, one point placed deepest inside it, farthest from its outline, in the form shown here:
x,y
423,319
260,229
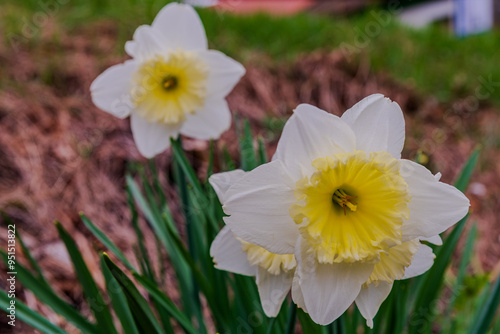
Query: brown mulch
x,y
60,155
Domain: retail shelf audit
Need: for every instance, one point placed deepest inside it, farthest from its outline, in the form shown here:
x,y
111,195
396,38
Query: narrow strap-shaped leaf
x,y
469,248
156,182
167,303
485,318
270,326
400,306
247,151
262,151
181,159
433,281
31,260
152,201
164,317
119,301
27,315
210,168
94,297
292,318
309,326
143,314
228,161
47,295
106,241
163,230
496,329
338,326
144,205
192,179
466,173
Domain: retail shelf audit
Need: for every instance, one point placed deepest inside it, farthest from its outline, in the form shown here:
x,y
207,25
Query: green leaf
x,y
166,302
119,301
292,318
94,297
247,151
181,159
466,173
309,326
141,251
210,168
164,229
229,163
143,315
469,248
31,260
25,250
145,207
45,294
432,282
27,315
485,318
106,241
262,151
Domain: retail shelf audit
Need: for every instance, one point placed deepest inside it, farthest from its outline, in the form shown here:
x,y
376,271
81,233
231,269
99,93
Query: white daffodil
x,y
339,196
172,85
273,272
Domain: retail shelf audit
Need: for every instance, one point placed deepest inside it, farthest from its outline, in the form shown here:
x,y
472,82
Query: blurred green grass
x,y
431,60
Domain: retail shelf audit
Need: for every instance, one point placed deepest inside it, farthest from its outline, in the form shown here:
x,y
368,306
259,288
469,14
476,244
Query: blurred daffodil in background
x,y
172,85
339,197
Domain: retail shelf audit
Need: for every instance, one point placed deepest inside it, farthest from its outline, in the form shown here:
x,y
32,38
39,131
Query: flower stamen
x,y
344,200
169,82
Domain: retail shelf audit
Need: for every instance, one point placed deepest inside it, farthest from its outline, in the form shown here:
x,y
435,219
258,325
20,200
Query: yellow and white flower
x,y
172,85
273,272
338,195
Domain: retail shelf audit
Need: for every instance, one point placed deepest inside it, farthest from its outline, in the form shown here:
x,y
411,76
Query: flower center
x,y
341,198
352,208
169,82
168,87
273,263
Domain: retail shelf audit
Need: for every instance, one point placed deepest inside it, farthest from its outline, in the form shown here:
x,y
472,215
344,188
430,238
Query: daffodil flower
x,y
273,272
338,195
172,85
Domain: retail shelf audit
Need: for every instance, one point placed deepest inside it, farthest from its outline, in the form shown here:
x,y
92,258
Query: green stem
x,y
292,316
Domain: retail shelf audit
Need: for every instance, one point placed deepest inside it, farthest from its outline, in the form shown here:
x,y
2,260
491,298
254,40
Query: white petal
x,y
111,89
309,134
227,254
329,289
209,122
434,206
272,290
145,44
297,295
370,299
222,181
436,240
179,26
151,138
423,261
258,208
378,123
224,72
